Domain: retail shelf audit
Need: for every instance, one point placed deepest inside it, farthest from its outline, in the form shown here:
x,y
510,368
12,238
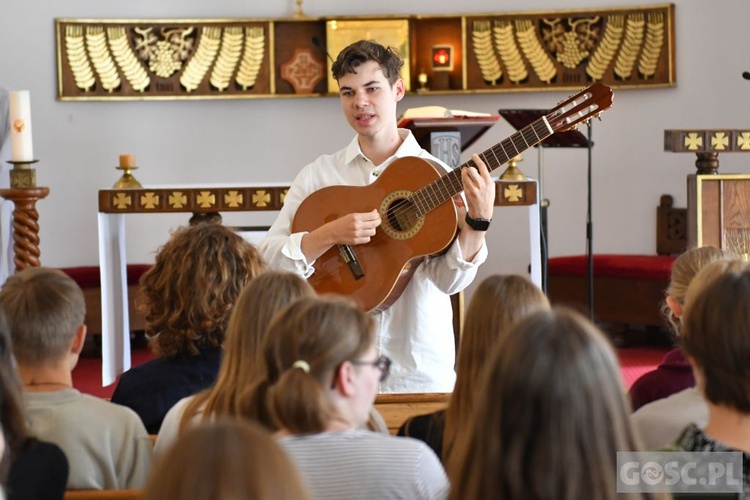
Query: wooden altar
x,y
115,204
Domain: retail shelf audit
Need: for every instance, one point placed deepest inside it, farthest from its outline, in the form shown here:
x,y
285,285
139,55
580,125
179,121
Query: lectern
x,y
718,206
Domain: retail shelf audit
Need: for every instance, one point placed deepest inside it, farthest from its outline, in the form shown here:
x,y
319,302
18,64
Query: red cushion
x,y
88,276
653,267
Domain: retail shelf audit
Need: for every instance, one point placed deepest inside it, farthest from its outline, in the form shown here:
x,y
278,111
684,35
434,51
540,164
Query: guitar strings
x,y
432,200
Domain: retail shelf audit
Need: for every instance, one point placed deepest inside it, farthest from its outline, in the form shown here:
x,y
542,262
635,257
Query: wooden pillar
x,y
25,224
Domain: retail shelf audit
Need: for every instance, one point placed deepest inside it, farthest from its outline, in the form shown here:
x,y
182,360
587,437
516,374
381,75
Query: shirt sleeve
x,y
449,272
280,248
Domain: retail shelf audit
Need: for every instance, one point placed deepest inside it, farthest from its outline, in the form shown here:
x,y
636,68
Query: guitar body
x,y
400,242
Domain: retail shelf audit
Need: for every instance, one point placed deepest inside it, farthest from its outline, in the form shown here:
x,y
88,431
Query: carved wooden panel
x,y
620,48
246,58
171,59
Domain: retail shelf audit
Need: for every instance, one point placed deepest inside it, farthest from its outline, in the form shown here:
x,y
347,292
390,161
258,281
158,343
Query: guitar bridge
x,y
347,253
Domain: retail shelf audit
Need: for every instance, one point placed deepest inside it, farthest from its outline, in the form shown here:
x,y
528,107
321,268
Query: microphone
x,y
319,44
746,75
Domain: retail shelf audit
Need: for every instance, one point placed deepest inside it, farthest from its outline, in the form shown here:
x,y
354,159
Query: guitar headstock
x,y
583,106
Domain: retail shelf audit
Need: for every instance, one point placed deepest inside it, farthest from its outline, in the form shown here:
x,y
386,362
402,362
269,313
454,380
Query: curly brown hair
x,y
187,296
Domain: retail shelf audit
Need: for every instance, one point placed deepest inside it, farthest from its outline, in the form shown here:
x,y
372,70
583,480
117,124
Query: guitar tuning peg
x,y
599,116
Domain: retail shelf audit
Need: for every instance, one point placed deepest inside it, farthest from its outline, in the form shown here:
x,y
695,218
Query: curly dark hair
x,y
366,50
187,296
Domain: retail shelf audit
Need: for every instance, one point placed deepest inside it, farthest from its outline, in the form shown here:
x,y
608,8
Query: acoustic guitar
x,y
414,198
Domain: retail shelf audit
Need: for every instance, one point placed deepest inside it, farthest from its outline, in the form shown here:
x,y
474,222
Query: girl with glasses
x,y
322,372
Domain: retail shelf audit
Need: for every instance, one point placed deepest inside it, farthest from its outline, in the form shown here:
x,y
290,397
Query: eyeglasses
x,y
383,363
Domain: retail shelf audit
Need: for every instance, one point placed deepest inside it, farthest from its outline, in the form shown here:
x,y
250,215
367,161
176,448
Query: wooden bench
x,y
628,289
397,408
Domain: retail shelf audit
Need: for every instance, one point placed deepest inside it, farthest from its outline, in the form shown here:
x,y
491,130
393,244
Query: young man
x,y
416,331
106,444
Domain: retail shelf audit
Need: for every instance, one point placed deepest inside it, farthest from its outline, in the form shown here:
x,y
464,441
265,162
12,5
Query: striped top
x,y
359,464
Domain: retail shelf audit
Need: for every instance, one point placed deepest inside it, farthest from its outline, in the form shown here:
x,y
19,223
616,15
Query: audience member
x,y
321,376
673,373
260,300
716,339
24,459
187,297
106,444
497,304
550,416
225,460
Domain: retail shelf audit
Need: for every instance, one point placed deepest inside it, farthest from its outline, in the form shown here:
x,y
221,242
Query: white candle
x,y
20,126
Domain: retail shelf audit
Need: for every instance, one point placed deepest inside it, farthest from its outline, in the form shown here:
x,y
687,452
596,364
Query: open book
x,y
437,112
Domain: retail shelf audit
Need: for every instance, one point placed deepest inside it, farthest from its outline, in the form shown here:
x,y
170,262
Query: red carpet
x,y
87,377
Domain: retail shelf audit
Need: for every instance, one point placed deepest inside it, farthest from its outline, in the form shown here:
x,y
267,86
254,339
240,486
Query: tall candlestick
x,y
20,126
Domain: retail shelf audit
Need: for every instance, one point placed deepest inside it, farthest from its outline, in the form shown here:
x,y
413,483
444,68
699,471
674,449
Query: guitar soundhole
x,y
402,215
401,221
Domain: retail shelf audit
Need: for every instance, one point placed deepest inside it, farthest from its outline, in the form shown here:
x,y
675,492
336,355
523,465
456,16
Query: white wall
x,y
78,143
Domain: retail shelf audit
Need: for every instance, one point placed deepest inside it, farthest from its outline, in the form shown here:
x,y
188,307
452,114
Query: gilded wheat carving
x,y
653,44
75,49
131,68
605,52
229,56
505,43
532,48
631,45
252,57
197,67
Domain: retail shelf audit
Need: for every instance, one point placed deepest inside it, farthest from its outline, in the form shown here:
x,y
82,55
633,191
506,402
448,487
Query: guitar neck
x,y
439,191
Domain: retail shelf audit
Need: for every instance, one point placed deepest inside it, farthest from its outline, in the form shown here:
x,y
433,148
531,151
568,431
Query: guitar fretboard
x,y
440,190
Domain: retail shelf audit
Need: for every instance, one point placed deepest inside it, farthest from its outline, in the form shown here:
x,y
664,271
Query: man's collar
x,y
409,147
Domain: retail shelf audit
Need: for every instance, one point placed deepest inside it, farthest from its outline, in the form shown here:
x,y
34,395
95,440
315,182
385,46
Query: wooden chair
x,y
103,494
397,408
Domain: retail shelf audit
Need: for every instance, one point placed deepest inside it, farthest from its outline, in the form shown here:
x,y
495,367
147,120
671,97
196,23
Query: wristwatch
x,y
477,224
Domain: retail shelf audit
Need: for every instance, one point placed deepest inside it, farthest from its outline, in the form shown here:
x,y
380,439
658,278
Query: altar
x,y
116,204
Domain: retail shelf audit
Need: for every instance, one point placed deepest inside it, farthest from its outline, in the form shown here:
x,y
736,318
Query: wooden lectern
x,y
718,204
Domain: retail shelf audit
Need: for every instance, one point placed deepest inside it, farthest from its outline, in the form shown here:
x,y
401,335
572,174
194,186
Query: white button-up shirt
x,y
416,332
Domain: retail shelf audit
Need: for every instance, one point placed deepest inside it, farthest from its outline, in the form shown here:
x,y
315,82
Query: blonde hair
x,y
44,307
550,416
187,296
303,350
225,460
260,300
684,269
497,304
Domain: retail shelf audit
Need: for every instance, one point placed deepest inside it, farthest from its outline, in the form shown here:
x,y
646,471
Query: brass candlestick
x,y
22,175
127,181
513,173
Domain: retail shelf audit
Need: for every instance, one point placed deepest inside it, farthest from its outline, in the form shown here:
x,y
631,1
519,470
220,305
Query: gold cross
x,y
205,199
121,201
693,141
720,141
149,200
513,193
233,199
743,141
261,198
177,199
